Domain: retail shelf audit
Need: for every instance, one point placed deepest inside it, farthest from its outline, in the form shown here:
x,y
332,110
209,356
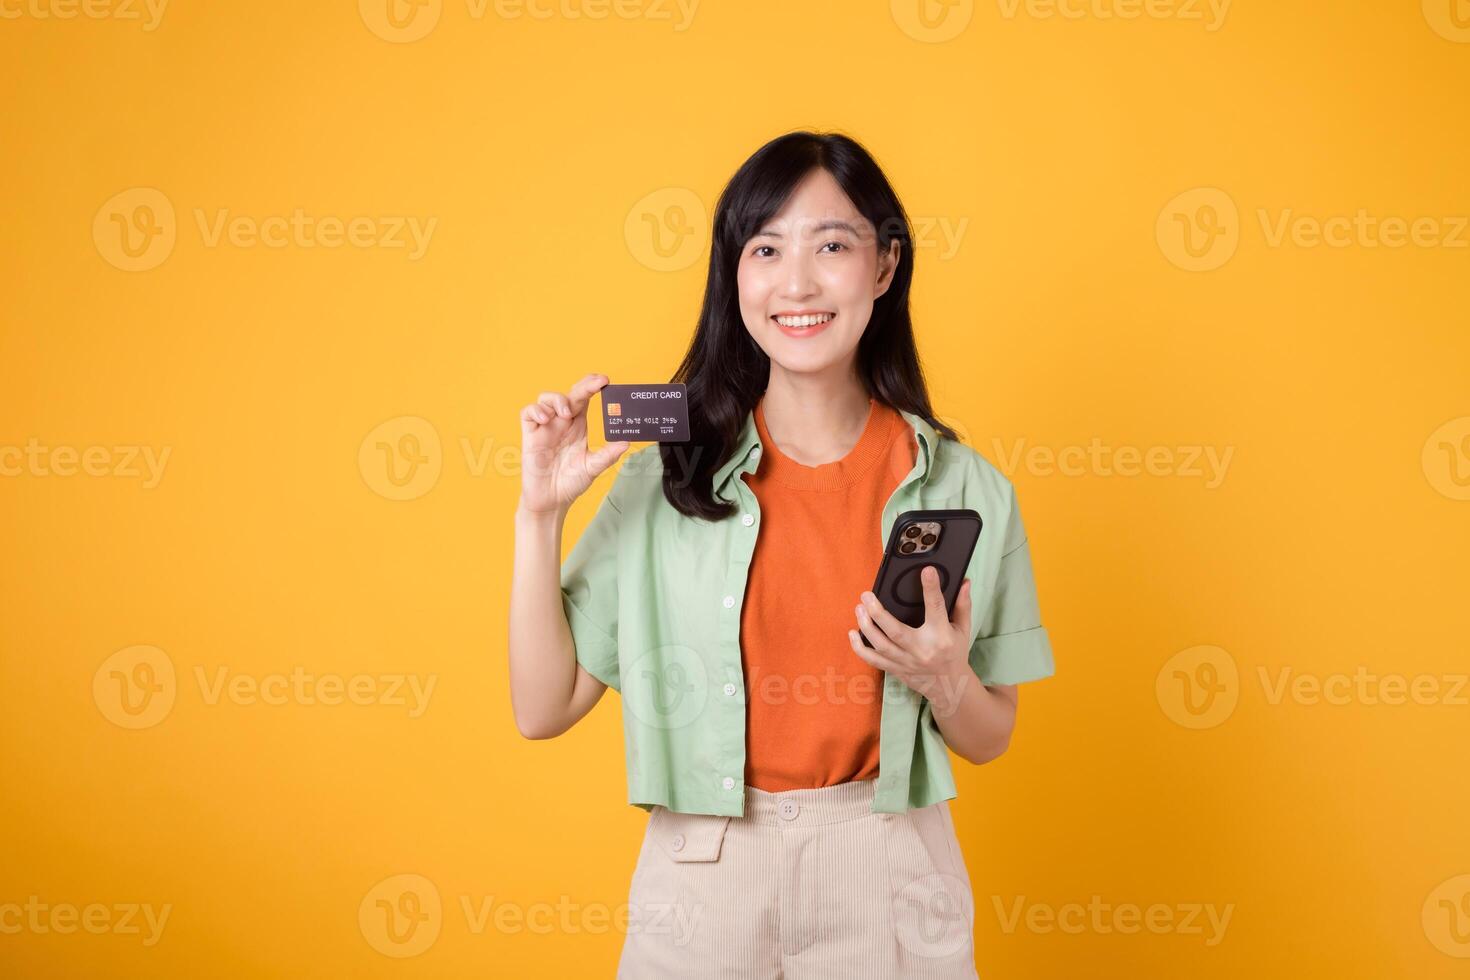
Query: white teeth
x,y
804,321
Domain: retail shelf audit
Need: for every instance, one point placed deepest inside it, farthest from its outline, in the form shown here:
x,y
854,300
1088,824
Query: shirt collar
x,y
740,459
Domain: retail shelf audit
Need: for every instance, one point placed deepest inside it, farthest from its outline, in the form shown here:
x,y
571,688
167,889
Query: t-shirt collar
x,y
749,438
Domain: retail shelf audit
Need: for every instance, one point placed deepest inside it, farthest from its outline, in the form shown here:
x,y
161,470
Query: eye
x,y
838,244
758,248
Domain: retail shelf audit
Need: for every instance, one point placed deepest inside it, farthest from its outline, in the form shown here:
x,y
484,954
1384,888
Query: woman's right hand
x,y
556,467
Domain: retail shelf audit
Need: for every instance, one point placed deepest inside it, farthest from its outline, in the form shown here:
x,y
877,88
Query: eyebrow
x,y
828,225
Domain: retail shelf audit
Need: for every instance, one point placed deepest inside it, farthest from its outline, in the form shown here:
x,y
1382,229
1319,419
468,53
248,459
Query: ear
x,y
887,266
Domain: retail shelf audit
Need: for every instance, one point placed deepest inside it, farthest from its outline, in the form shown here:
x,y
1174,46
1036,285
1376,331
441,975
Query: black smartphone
x,y
943,538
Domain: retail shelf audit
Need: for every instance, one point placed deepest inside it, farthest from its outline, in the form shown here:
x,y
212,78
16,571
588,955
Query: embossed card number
x,y
645,413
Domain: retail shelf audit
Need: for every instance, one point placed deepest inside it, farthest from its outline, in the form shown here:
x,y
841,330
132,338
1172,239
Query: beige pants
x,y
808,884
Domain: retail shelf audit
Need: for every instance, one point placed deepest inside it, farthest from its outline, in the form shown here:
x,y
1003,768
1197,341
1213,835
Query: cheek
x,y
852,283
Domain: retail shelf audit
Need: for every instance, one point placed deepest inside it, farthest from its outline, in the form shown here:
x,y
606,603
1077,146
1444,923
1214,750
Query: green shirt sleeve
x,y
1011,645
589,592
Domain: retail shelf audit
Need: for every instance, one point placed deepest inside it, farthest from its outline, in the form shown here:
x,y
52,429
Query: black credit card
x,y
645,413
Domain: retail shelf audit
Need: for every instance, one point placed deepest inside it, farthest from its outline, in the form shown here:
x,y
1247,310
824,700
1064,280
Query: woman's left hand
x,y
932,659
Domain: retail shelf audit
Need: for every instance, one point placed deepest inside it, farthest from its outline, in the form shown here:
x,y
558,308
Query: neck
x,y
814,419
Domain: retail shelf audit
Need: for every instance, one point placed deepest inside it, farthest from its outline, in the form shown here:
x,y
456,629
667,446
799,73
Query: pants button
x,y
788,809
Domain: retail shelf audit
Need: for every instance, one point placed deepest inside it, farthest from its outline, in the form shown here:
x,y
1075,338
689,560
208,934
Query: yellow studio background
x,y
279,276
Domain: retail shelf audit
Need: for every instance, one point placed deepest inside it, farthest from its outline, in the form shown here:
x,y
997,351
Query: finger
x,y
536,412
583,390
934,611
881,639
962,609
557,402
891,626
869,655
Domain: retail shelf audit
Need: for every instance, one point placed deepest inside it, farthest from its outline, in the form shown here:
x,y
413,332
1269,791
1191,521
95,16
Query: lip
x,y
801,333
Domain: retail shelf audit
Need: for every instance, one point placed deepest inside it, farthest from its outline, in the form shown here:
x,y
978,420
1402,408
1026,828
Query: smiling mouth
x,y
804,322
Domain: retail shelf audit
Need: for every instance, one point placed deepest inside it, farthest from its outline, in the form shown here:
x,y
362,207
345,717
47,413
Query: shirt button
x,y
788,809
755,451
728,783
730,690
678,842
747,520
729,601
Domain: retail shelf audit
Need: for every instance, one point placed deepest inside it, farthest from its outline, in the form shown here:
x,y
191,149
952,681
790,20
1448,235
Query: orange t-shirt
x,y
813,705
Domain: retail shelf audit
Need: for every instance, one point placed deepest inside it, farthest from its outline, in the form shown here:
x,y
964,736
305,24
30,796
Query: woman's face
x,y
809,276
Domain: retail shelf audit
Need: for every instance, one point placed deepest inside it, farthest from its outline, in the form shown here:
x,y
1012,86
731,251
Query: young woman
x,y
797,780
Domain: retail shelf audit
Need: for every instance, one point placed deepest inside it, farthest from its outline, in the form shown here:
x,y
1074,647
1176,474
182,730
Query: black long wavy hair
x,y
725,371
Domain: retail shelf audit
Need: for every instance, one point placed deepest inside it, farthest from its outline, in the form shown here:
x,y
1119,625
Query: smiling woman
x,y
797,779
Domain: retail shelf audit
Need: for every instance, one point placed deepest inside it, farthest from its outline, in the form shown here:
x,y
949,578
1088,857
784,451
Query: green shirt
x,y
653,598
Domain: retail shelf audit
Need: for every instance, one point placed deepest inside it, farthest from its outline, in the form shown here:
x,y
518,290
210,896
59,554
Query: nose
x,y
799,282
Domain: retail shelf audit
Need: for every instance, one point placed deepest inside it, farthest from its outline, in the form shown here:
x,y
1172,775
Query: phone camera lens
x,y
912,531
905,547
929,539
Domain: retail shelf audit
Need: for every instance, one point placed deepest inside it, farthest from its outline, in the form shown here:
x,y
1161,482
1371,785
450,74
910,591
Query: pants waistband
x,y
807,807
